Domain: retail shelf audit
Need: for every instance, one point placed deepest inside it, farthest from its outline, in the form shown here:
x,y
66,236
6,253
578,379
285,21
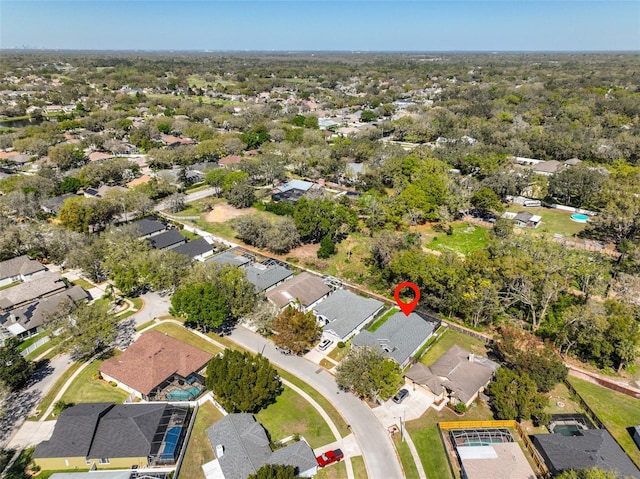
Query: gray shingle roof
x,y
264,277
21,265
346,311
399,336
147,226
230,256
594,448
42,285
246,448
166,239
194,248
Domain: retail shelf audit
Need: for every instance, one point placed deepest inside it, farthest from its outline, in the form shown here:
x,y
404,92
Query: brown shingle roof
x,y
153,358
305,287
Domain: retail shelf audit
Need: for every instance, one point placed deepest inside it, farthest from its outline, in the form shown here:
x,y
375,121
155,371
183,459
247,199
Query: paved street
x,y
191,197
155,306
20,405
375,443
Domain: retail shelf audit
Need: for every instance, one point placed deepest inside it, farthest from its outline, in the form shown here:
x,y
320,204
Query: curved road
x,y
377,448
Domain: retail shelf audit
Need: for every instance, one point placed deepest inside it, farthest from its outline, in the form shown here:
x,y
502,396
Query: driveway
x,y
375,443
20,405
413,406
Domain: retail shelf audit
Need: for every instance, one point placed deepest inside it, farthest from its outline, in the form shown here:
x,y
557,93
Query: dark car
x,y
398,398
330,457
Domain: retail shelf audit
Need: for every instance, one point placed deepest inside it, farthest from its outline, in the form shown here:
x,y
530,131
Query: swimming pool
x,y
183,394
578,218
568,429
171,439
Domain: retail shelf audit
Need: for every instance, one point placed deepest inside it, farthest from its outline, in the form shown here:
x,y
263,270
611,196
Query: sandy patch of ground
x,y
223,212
301,252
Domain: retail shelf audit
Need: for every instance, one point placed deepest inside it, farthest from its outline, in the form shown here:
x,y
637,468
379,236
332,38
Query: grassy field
x,y
48,398
359,469
553,221
334,471
466,238
616,410
199,450
184,335
86,387
448,339
424,432
292,414
408,464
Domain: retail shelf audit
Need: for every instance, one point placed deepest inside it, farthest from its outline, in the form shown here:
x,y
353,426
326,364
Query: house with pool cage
x,y
158,367
115,436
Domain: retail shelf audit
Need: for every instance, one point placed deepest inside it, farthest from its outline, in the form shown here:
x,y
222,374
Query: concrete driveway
x,y
413,406
374,441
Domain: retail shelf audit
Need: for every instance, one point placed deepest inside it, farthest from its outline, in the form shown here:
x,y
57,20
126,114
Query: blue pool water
x,y
171,440
183,394
580,218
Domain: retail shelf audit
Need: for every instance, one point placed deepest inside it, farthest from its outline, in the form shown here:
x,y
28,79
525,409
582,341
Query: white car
x,y
324,344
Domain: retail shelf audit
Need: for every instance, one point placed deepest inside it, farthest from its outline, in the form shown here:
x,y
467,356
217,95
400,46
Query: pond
x,y
20,123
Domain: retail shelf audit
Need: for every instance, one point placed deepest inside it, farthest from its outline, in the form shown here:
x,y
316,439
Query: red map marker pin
x,y
407,308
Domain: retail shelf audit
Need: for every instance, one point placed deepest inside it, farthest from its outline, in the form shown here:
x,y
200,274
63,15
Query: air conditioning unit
x,y
219,451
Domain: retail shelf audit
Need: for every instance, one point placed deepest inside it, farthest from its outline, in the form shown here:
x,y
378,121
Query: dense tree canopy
x,y
200,303
295,330
243,382
15,370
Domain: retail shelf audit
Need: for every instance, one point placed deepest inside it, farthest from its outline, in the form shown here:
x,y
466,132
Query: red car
x,y
330,457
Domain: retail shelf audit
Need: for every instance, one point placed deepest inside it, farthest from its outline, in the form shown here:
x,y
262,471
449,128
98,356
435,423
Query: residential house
x,y
229,160
303,291
142,180
99,156
15,163
108,436
53,205
585,449
232,256
19,268
292,191
148,227
267,276
546,168
102,191
40,286
167,240
29,319
400,337
345,313
525,219
458,376
172,141
198,249
242,447
158,367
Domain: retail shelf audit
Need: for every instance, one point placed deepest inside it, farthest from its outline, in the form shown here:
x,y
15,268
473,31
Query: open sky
x,y
362,25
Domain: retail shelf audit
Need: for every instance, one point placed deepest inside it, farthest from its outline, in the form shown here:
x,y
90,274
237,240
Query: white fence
x,y
35,346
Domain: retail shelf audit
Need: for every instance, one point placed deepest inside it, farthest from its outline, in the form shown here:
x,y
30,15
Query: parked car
x,y
398,398
330,457
324,344
283,351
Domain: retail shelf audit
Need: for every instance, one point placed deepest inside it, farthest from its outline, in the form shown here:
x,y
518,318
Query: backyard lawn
x,y
292,414
181,333
448,339
466,238
86,387
616,410
554,221
199,450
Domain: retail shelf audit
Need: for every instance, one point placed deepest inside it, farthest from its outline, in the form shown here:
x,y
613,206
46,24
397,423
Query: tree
x,y
295,330
577,185
327,248
200,303
369,374
66,156
15,370
88,328
515,396
486,200
242,382
274,471
368,116
176,202
70,184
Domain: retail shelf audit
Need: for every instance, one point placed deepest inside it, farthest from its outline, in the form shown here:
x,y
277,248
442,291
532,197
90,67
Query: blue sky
x,y
363,25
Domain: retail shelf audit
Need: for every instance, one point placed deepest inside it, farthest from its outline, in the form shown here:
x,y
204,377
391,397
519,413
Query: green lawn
x,y
86,387
83,283
337,353
553,221
425,435
137,303
199,450
466,238
359,469
48,398
380,321
224,230
184,335
334,471
29,341
292,414
51,345
408,464
616,410
448,339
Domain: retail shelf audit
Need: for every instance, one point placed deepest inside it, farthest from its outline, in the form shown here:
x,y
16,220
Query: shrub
x,y
460,408
341,344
